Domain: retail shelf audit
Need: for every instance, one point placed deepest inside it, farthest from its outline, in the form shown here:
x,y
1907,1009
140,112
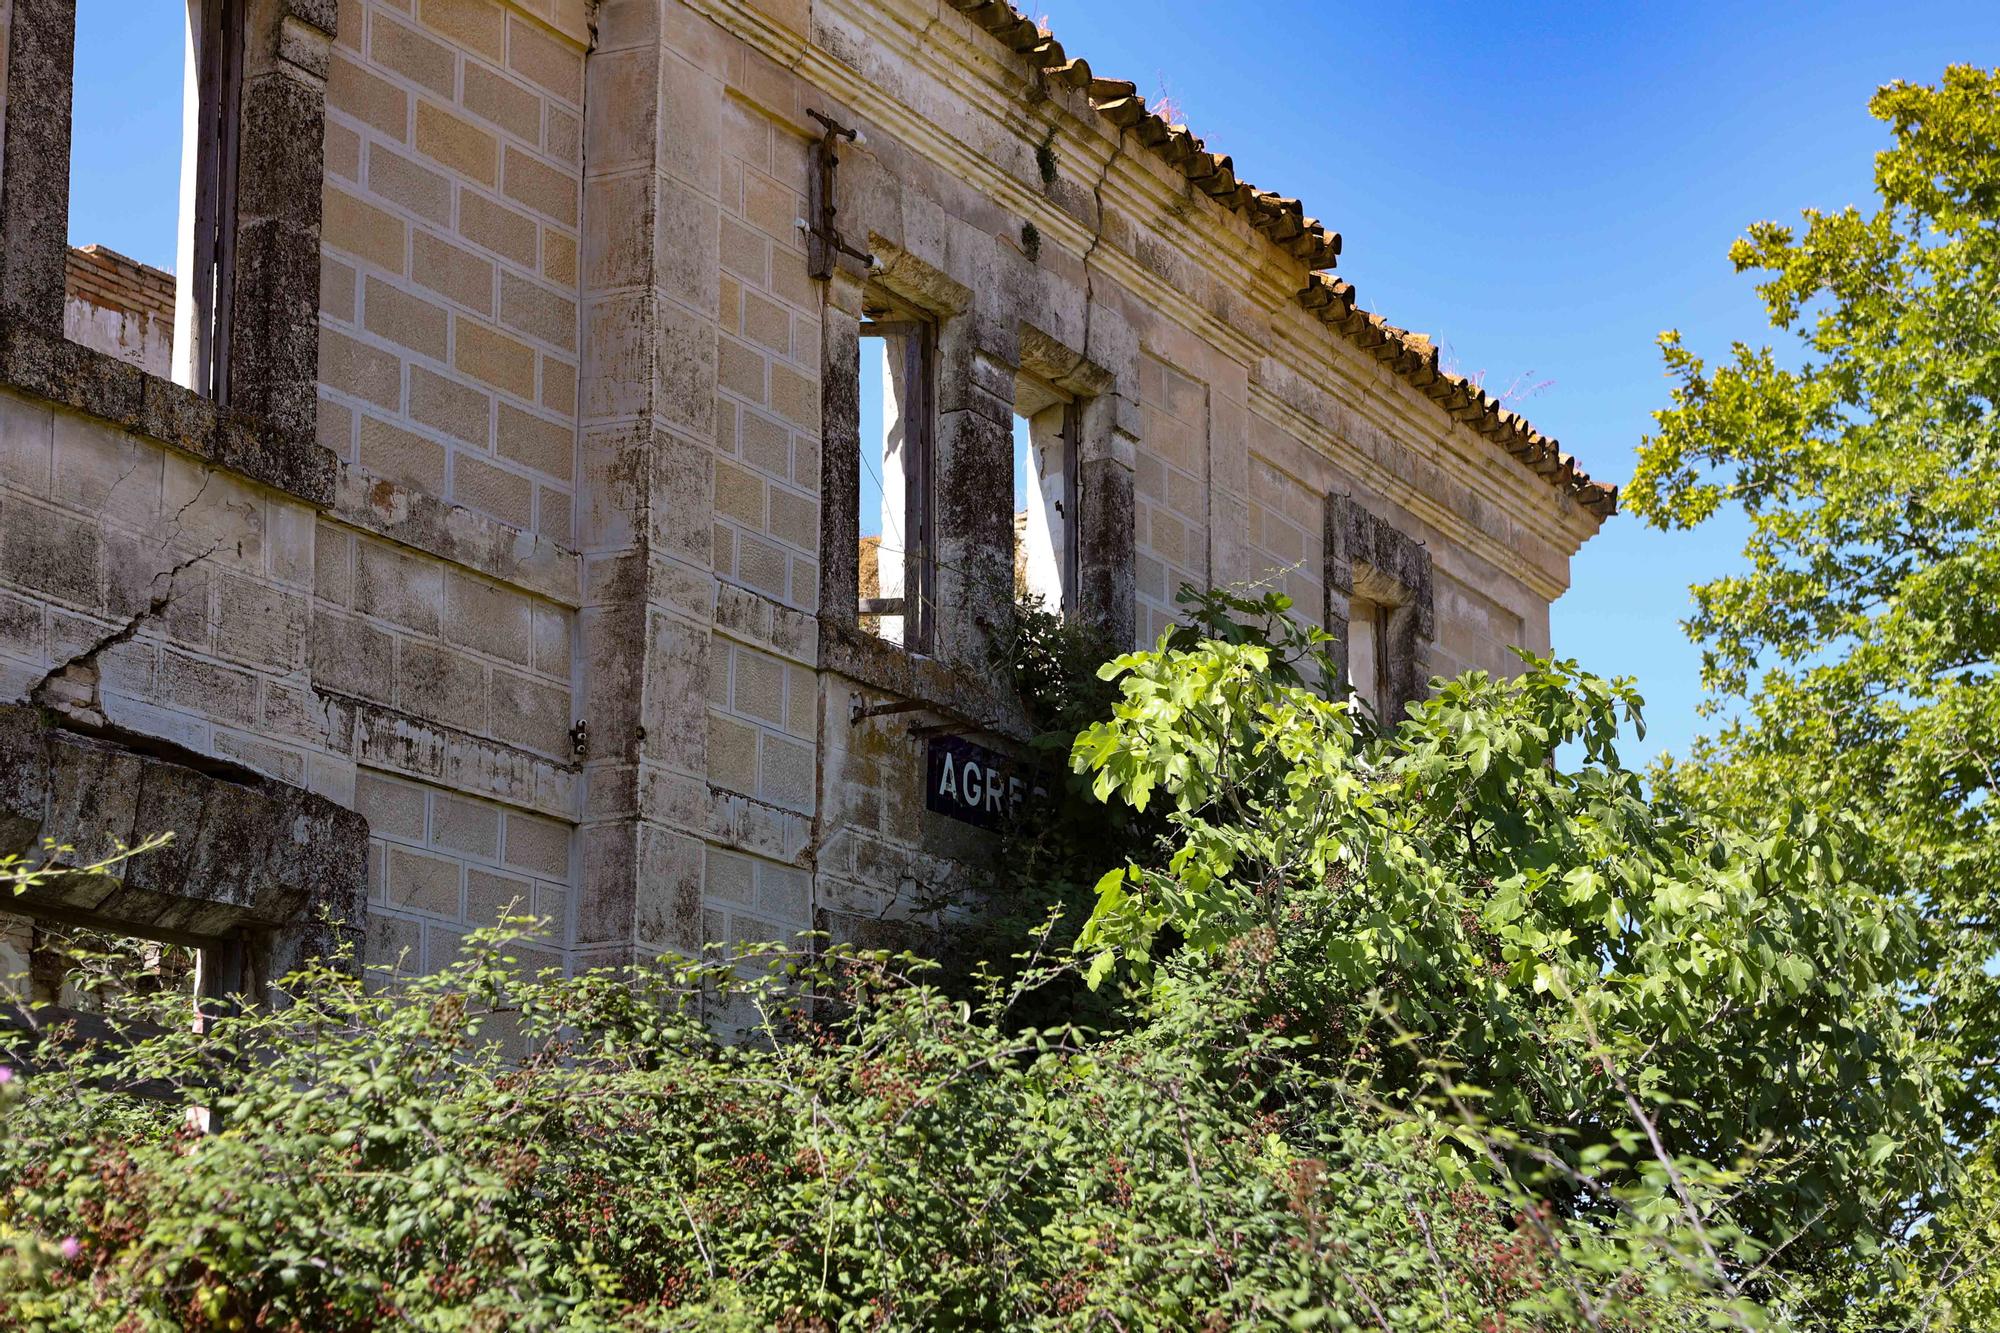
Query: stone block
x,y
559,258
766,444
784,893
393,807
394,944
787,772
402,456
507,496
439,684
495,358
475,25
462,825
667,897
444,404
732,754
537,442
208,689
359,228
552,641
410,53
490,896
537,312
760,687
260,624
740,369
739,495
761,565
452,271
487,617
404,588
562,136
368,97
406,320
495,227
396,179
457,144
536,845
352,657
421,882
534,184
531,713
794,519
500,101
545,61
795,397
729,878
333,565
357,368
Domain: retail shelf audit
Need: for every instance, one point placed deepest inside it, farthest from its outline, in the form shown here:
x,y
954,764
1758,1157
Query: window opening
x,y
1368,655
896,532
82,969
89,980
1046,428
150,277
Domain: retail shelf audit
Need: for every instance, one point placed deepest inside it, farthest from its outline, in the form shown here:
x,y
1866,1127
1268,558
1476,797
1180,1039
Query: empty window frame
x,y
100,988
114,304
897,533
1047,426
1368,666
1380,604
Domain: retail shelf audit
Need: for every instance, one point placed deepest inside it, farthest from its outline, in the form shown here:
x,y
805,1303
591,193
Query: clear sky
x,y
1542,188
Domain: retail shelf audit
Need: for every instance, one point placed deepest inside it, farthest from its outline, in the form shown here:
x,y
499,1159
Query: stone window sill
x,y
122,394
985,701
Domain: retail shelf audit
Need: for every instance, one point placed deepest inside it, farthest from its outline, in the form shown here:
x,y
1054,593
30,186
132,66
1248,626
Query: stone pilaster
x,y
650,273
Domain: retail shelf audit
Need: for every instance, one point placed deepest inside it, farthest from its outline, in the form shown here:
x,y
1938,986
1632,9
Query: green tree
x,y
478,1152
1680,997
1861,640
1856,653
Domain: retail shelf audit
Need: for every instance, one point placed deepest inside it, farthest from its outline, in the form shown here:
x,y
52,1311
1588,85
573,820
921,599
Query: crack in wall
x,y
87,659
193,500
1096,239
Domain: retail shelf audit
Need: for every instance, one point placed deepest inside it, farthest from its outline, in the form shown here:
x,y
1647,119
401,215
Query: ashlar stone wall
x,y
544,562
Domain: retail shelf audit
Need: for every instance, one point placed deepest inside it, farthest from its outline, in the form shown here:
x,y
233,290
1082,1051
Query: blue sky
x,y
1544,189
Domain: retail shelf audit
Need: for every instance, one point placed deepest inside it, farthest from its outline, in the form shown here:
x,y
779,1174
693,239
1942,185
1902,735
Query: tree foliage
x,y
1333,1104
1640,985
878,1156
1857,654
1862,637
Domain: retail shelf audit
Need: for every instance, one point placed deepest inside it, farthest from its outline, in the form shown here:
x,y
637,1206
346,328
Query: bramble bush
x,y
1394,1029
880,1156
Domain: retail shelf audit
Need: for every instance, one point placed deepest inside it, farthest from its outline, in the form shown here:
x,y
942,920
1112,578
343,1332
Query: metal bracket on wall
x,y
824,241
857,712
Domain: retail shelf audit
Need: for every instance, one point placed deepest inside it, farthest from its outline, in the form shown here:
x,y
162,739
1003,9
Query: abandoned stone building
x,y
586,448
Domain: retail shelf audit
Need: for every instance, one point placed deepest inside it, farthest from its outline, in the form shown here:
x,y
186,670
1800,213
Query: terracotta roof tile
x,y
1283,220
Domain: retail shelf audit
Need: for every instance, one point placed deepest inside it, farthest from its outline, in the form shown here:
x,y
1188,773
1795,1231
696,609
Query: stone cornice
x,y
1220,244
1442,518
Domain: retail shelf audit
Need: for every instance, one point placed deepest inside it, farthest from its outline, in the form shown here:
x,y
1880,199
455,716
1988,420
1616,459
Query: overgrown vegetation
x,y
1293,1021
1430,1033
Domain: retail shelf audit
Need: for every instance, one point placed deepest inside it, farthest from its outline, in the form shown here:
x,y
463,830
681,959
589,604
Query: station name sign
x,y
975,785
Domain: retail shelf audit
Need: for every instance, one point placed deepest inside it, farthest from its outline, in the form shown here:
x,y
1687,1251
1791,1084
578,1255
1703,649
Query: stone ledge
x,y
118,392
247,853
981,702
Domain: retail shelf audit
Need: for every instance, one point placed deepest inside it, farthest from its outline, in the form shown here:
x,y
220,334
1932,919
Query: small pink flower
x,y
70,1247
6,1076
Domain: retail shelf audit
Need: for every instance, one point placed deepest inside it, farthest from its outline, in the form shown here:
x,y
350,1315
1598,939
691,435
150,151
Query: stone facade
x,y
528,532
